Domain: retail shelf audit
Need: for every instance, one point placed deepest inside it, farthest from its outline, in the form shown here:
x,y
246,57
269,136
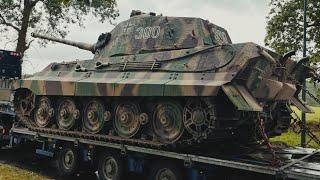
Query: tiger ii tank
x,y
166,80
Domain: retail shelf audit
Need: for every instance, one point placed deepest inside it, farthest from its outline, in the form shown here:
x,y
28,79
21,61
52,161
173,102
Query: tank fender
x,y
287,92
43,87
241,98
268,89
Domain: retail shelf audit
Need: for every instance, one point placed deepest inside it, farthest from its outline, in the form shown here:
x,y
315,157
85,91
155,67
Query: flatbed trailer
x,y
303,163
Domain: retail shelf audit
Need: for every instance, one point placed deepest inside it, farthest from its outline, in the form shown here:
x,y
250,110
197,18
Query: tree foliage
x,y
285,26
51,17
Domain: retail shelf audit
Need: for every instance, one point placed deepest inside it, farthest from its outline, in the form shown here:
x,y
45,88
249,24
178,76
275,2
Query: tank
x,y
166,80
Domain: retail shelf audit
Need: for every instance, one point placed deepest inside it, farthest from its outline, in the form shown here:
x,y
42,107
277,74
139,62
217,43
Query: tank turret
x,y
80,45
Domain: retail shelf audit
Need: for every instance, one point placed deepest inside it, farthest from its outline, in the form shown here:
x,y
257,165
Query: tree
x,y
285,26
50,17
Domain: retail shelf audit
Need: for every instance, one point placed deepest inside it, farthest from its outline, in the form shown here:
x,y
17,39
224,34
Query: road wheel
x,y
67,114
165,170
167,122
67,161
126,120
93,116
43,112
111,167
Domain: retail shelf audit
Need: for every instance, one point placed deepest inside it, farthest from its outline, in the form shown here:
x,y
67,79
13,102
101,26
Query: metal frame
x,y
287,171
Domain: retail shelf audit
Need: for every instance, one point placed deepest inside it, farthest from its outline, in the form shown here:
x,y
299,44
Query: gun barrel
x,y
80,45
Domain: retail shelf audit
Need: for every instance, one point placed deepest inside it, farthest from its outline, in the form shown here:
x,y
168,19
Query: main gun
x,y
81,45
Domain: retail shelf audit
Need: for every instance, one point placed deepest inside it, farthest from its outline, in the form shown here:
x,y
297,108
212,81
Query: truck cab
x,y
10,70
10,64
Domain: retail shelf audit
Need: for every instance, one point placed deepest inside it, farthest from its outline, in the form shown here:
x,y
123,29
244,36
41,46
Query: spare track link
x,y
105,138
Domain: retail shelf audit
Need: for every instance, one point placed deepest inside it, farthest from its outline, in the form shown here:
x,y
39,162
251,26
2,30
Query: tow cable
x,y
275,161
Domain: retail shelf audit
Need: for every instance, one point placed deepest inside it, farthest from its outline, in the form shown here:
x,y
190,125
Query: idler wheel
x,y
44,112
94,116
199,116
127,120
167,122
67,114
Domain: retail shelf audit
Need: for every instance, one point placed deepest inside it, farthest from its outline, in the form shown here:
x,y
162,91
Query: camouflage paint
x,y
172,56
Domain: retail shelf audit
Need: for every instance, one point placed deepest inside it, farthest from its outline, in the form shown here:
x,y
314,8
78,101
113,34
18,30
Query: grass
x,y
8,172
293,139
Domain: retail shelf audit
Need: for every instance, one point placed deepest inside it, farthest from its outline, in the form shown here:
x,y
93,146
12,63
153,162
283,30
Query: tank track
x,y
28,109
105,138
37,112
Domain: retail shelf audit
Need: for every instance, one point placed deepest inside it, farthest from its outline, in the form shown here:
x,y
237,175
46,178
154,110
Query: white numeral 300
x,y
147,32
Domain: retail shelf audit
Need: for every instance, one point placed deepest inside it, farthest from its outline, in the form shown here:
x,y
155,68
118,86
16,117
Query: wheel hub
x,y
143,118
64,114
165,174
111,168
198,117
69,159
164,120
92,115
124,118
41,112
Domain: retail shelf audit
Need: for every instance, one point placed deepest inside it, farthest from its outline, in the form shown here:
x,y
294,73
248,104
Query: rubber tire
x,y
176,170
62,171
102,158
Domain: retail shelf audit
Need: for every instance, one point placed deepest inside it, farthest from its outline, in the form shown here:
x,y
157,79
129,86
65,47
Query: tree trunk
x,y
22,44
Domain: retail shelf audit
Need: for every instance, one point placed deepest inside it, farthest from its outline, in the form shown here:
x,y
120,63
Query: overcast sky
x,y
245,21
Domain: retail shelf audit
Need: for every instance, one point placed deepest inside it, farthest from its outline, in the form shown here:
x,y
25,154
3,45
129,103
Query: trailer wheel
x,y
165,170
111,166
67,161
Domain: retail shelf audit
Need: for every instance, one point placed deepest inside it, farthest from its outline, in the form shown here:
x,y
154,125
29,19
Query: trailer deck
x,y
307,166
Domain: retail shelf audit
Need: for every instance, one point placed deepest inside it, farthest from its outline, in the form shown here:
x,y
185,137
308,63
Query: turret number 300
x,y
147,32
